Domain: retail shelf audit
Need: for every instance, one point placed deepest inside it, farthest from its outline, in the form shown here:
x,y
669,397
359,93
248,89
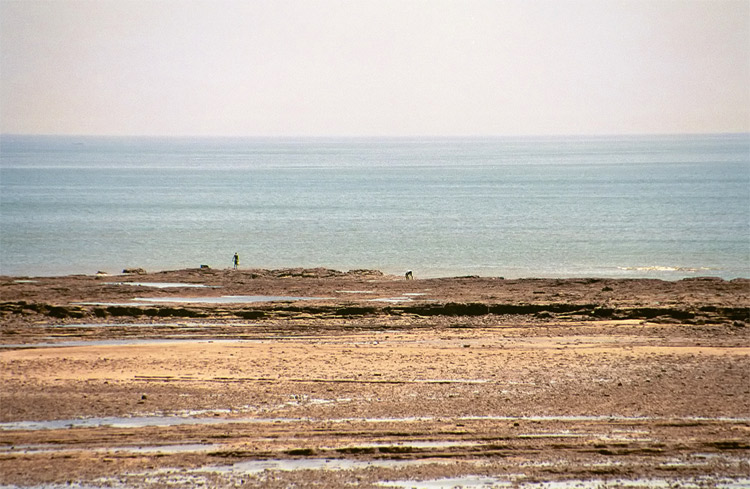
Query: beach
x,y
406,245
324,378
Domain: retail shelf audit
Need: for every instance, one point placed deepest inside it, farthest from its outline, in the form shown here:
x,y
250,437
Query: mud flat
x,y
320,378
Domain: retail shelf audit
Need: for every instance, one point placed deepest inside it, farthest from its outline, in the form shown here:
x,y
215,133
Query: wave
x,y
658,268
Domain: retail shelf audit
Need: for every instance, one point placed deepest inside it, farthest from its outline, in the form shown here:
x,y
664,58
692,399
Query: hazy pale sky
x,y
379,68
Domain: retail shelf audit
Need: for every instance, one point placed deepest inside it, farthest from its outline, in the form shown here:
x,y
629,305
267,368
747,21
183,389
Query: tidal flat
x,y
466,382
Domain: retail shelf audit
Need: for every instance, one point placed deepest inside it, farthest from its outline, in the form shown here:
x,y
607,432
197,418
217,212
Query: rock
x,y
363,272
135,271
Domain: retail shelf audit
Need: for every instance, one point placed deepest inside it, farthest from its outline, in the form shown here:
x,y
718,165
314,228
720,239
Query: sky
x,y
374,68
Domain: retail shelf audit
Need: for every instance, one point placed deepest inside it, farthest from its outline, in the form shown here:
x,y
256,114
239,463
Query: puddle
x,y
257,466
467,482
152,449
179,325
146,421
192,478
165,449
24,281
721,456
449,381
396,300
692,483
164,285
113,304
229,299
393,299
118,422
175,420
355,291
476,482
554,435
412,444
139,422
225,299
303,400
70,485
113,325
599,418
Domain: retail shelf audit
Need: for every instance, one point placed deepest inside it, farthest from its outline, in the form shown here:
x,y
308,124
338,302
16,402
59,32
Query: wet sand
x,y
318,378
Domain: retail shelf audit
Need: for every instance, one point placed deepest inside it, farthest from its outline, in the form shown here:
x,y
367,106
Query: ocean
x,y
665,207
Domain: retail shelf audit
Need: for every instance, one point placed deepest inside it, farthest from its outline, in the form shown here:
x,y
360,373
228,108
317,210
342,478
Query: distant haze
x,y
374,68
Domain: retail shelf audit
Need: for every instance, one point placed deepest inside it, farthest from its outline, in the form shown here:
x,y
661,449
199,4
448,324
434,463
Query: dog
x,y
409,275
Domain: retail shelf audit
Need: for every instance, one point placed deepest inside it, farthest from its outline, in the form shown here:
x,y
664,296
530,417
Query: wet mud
x,y
345,379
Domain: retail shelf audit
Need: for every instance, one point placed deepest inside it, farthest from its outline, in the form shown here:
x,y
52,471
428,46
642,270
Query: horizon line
x,y
375,136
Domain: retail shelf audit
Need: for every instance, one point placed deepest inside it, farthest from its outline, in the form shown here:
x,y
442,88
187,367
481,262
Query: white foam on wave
x,y
662,268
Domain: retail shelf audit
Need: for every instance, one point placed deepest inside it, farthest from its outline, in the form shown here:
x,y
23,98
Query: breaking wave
x,y
657,268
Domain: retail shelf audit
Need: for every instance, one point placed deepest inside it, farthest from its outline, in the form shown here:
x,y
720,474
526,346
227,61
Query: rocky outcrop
x,y
560,311
134,271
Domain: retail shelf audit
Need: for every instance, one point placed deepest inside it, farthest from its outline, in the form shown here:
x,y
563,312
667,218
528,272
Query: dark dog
x,y
409,275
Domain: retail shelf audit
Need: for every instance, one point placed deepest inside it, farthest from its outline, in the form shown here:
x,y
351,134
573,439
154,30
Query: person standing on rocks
x,y
236,261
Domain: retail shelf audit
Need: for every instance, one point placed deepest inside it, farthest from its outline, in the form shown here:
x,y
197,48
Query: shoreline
x,y
245,293
322,378
649,273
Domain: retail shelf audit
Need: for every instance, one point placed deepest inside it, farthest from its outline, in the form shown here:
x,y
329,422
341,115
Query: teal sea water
x,y
659,206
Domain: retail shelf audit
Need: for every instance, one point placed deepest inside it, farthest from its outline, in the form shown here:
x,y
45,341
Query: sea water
x,y
631,206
